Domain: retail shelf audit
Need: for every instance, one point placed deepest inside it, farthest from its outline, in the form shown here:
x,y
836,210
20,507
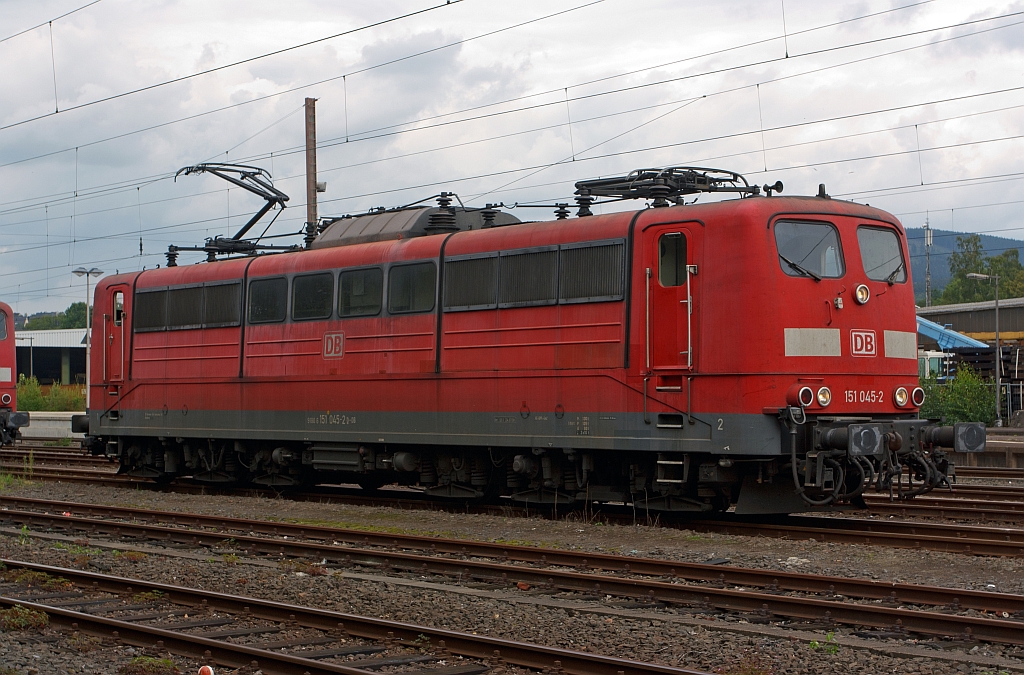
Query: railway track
x,y
792,598
951,508
967,502
989,472
280,638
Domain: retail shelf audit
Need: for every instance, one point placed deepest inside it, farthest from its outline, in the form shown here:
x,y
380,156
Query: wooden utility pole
x,y
311,214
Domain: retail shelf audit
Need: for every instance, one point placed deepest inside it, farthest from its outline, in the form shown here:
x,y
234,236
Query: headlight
x,y
862,294
824,397
901,397
5,399
806,396
917,396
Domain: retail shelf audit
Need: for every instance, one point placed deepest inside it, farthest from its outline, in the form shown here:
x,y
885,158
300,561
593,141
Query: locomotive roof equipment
x,y
670,183
251,178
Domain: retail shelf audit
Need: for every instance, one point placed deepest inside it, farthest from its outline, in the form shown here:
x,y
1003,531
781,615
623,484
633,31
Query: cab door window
x,y
118,308
672,259
3,325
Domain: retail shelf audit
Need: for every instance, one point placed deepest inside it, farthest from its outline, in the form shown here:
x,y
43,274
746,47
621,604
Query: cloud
x,y
114,47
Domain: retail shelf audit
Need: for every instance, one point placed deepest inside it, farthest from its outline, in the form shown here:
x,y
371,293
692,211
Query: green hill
x,y
944,243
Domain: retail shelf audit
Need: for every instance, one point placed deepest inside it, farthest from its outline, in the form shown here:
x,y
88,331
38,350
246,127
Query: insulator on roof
x,y
443,220
584,200
488,214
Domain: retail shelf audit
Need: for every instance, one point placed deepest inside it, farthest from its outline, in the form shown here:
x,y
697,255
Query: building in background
x,y
53,356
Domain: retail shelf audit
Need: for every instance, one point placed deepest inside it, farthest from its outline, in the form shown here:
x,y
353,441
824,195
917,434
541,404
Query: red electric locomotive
x,y
758,351
10,419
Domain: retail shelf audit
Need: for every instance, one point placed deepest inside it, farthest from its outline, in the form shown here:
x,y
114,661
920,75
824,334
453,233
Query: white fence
x,y
50,426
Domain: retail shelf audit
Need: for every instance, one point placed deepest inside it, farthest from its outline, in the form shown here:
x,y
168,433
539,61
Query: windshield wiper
x,y
799,268
892,277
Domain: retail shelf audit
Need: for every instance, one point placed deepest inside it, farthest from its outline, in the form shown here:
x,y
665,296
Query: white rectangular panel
x,y
813,342
5,375
900,344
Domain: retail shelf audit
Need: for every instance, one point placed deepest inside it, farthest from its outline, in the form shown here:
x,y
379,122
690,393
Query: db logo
x,y
334,345
862,342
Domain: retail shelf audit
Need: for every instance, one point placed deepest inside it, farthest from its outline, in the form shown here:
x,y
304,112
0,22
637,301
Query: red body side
x,y
8,361
644,353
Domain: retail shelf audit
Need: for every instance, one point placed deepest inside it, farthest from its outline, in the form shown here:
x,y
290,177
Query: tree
x,y
970,257
46,322
73,316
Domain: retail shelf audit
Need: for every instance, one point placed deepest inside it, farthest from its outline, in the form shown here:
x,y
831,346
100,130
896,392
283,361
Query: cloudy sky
x,y
913,106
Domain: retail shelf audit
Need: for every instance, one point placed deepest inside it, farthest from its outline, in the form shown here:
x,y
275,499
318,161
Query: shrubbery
x,y
31,397
964,398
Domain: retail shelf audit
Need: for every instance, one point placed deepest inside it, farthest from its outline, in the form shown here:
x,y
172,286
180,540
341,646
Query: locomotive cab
x,y
850,419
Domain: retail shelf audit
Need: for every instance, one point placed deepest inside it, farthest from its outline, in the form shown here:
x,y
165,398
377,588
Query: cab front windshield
x,y
808,249
881,254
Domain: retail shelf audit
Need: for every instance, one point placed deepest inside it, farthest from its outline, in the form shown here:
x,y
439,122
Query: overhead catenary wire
x,y
926,149
183,78
329,143
637,150
473,108
49,21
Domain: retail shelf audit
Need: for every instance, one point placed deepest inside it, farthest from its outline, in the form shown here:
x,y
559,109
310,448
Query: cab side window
x,y
672,259
411,288
3,325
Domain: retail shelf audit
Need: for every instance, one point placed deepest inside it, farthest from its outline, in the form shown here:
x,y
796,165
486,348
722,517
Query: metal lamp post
x,y
82,272
999,359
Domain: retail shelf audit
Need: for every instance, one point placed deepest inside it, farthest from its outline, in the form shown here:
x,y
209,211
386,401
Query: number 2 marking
x,y
720,424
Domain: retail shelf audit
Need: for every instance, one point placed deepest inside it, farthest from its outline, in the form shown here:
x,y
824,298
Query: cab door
x,y
114,324
670,300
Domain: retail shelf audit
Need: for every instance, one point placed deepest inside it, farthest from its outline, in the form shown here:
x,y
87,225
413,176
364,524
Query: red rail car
x,y
759,351
10,419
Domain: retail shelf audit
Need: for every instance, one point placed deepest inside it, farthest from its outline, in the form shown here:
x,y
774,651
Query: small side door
x,y
114,325
670,298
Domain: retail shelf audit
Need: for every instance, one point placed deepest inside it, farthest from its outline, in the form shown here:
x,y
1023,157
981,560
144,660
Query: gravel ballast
x,y
662,635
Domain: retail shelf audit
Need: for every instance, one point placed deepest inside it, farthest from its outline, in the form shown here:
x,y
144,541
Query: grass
x,y
148,665
360,527
527,543
130,556
40,579
21,618
75,549
830,645
230,559
8,481
148,596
